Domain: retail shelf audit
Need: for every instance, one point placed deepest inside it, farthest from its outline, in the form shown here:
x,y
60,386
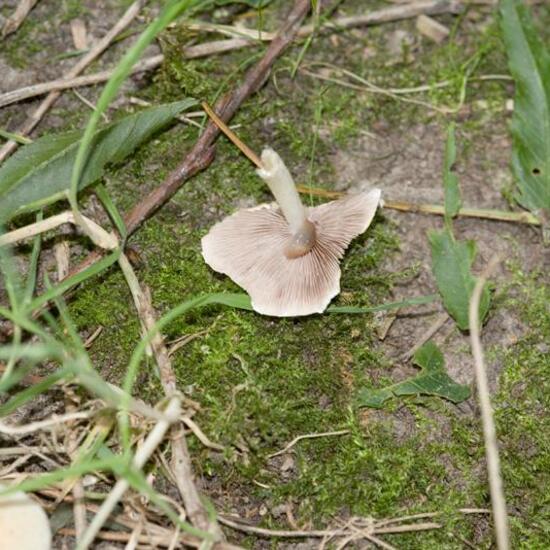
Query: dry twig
x,y
321,533
438,323
489,432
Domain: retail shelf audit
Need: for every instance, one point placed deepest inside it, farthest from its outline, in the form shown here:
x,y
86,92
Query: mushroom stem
x,y
280,182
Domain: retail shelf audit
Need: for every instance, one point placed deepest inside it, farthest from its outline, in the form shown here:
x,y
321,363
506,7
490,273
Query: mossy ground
x,y
261,381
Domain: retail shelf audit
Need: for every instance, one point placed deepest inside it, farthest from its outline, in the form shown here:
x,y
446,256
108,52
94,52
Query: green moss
x,y
522,415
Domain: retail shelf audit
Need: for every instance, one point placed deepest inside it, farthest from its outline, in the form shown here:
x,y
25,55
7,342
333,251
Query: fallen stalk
x,y
100,236
422,208
498,501
181,460
339,532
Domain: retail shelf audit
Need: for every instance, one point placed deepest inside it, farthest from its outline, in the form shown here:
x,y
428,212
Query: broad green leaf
x,y
529,63
432,380
451,265
40,173
453,201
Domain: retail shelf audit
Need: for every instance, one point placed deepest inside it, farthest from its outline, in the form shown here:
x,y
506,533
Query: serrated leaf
x,y
529,63
40,173
453,202
451,265
432,380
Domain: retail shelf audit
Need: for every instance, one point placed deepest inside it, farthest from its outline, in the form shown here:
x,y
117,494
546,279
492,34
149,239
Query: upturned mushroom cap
x,y
23,524
249,247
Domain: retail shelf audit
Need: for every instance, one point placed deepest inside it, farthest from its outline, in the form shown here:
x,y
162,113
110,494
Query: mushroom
x,y
286,256
23,523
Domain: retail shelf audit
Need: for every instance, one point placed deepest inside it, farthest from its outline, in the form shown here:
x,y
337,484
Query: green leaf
x,y
451,265
529,63
256,4
453,202
432,380
40,173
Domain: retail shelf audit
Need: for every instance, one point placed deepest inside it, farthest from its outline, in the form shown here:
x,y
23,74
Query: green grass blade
x,y
113,212
33,266
33,391
65,285
51,478
12,280
453,202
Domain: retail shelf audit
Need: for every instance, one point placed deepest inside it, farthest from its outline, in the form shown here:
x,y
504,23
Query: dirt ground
x,y
261,382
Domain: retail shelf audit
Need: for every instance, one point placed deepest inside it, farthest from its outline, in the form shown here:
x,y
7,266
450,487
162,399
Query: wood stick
x,y
10,146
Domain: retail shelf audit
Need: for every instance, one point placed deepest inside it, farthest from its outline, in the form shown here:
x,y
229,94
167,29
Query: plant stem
x,y
423,208
484,213
500,516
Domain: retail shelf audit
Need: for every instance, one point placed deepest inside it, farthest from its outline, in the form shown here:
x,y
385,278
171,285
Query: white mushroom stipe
x,y
280,182
252,246
23,523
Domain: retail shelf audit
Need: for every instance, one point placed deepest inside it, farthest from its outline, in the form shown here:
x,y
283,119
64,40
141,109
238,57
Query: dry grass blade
x,y
489,432
52,97
152,540
420,208
73,82
307,436
62,259
54,420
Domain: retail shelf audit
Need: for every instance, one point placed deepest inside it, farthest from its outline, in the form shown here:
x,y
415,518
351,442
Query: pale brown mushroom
x,y
23,523
286,256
